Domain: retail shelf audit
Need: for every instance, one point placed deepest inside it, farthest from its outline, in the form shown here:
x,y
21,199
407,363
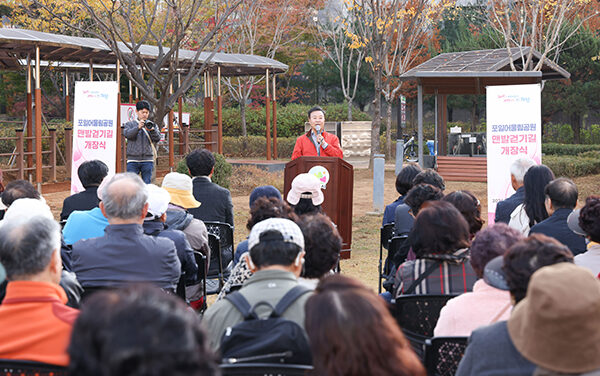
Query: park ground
x,y
365,228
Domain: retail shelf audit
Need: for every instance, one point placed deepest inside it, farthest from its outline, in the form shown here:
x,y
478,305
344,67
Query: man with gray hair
x,y
125,254
36,323
517,171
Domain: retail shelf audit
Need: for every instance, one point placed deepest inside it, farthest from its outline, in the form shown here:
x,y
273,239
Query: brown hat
x,y
557,325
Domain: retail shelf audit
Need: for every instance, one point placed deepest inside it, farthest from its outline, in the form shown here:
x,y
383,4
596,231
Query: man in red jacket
x,y
317,142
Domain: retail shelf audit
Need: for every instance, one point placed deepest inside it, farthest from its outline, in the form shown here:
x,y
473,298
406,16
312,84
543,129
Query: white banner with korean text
x,y
513,131
94,126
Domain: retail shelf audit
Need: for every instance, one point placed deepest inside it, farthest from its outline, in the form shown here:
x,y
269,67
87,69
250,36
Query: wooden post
x,y
67,98
137,97
29,112
219,113
21,173
91,70
68,149
130,93
38,121
171,135
186,139
180,108
208,112
268,110
52,154
443,150
274,121
118,140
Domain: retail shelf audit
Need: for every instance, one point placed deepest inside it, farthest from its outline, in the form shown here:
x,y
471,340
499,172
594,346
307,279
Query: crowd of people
x,y
118,290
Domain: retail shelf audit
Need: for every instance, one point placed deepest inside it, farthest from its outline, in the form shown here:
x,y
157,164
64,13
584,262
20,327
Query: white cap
x,y
27,208
158,201
288,229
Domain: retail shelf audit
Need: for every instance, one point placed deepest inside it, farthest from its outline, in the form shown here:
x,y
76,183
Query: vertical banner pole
x,y
268,113
38,122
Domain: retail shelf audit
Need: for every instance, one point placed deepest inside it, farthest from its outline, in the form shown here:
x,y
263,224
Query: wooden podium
x,y
338,192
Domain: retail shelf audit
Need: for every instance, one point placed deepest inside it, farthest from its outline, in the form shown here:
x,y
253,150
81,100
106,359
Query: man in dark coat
x,y
91,173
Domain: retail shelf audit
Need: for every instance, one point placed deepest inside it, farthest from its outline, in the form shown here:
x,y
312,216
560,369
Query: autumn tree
x,y
393,34
125,26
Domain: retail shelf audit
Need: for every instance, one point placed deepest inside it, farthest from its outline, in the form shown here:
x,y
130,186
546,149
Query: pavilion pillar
x,y
67,97
420,123
137,96
38,122
171,134
208,111
219,113
274,121
268,110
180,110
29,112
130,93
91,70
436,126
119,135
444,126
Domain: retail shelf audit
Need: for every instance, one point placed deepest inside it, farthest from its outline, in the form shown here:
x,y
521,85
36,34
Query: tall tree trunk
x,y
576,126
474,113
376,124
349,109
388,129
243,116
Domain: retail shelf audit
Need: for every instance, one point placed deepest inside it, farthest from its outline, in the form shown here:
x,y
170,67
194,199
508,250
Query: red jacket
x,y
306,147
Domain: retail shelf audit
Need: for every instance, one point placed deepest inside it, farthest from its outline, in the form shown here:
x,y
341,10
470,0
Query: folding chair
x,y
10,367
395,245
417,316
443,354
214,275
201,261
224,231
385,233
264,369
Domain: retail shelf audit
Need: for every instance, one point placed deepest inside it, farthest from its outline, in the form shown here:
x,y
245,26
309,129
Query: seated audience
x,y
276,258
440,240
469,206
561,199
125,254
263,208
216,200
86,224
431,177
419,195
139,330
486,304
154,225
517,171
180,189
557,325
533,208
36,324
258,192
589,222
491,349
322,244
91,173
403,185
352,332
305,195
17,189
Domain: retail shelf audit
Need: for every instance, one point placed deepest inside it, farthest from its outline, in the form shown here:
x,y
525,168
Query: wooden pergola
x,y
470,72
22,49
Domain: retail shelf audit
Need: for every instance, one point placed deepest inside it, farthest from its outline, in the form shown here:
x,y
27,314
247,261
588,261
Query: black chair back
x,y
225,233
201,261
385,233
215,275
264,369
10,367
417,316
442,355
397,250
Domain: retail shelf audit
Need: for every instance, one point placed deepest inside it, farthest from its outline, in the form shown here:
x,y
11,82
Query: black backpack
x,y
271,340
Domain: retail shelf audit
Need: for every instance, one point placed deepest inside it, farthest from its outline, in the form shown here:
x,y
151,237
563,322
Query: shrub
x,y
573,166
221,175
256,146
567,149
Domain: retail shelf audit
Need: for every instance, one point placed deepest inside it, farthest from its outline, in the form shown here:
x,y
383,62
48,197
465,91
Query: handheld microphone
x,y
318,129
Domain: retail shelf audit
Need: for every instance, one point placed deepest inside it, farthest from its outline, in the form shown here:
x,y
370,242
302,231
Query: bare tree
x,y
343,47
538,24
169,25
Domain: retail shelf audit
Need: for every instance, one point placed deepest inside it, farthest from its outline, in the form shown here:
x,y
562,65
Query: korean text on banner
x,y
94,126
513,131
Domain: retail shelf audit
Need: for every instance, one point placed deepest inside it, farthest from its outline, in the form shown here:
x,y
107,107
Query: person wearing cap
x,y
125,254
36,324
486,304
517,172
216,200
317,142
86,224
587,222
141,136
276,257
491,349
90,173
179,186
306,195
154,225
561,199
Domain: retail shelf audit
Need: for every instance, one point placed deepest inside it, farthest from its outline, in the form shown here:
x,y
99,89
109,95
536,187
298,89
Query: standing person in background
x,y
317,142
141,135
518,169
216,200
